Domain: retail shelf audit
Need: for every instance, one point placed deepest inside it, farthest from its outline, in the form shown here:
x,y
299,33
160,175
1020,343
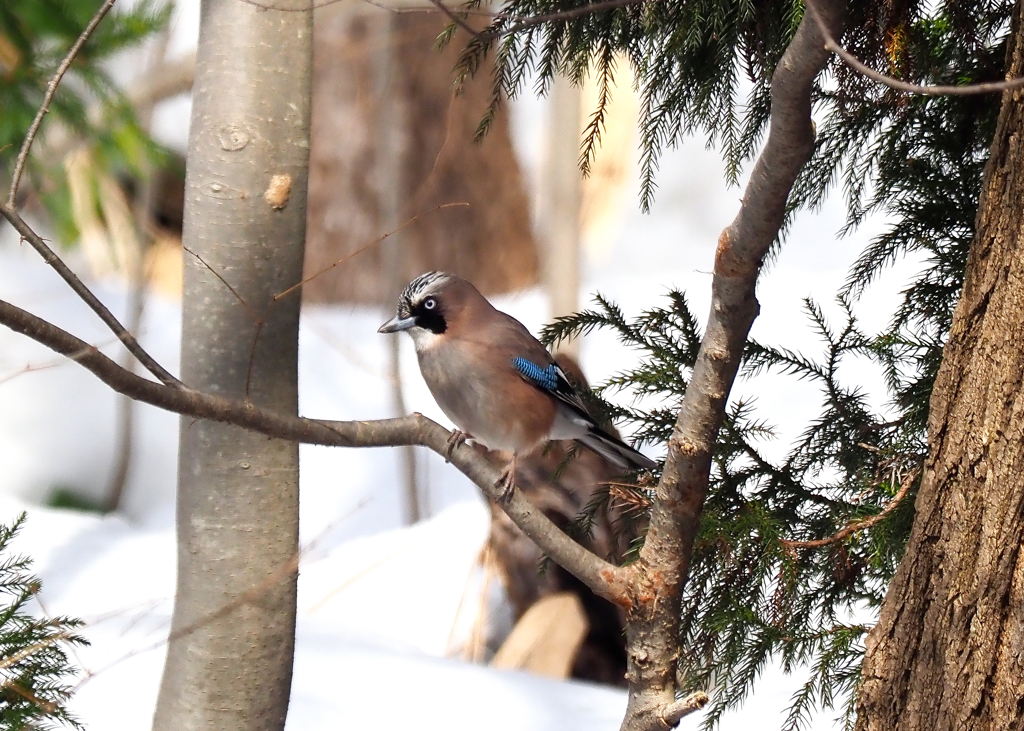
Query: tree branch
x,y
165,80
602,577
51,89
562,15
129,341
859,525
663,566
452,16
989,87
440,7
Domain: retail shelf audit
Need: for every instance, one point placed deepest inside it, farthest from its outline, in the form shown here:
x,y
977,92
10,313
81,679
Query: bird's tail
x,y
615,450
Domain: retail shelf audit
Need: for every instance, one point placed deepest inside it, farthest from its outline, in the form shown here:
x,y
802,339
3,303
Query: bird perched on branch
x,y
492,378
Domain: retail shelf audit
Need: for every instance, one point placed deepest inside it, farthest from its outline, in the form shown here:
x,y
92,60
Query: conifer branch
x,y
536,20
454,17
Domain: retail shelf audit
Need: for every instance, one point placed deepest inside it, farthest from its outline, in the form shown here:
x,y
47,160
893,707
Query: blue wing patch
x,y
545,378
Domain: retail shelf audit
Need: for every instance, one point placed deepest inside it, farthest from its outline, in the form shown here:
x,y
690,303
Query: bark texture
x,y
245,215
948,650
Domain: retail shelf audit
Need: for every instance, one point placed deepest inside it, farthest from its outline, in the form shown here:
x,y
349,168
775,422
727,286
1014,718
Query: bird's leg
x,y
456,438
507,482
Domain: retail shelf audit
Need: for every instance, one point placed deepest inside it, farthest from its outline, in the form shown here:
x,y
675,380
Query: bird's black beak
x,y
397,324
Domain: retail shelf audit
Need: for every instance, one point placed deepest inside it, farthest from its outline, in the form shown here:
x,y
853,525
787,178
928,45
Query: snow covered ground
x,y
379,604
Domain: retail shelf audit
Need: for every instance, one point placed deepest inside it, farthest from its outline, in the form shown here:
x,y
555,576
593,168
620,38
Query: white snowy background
x,y
384,610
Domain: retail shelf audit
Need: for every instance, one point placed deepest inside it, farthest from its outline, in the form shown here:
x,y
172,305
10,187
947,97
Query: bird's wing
x,y
509,337
551,379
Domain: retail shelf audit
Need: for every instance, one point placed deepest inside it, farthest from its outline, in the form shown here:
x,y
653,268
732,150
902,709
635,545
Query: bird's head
x,y
429,306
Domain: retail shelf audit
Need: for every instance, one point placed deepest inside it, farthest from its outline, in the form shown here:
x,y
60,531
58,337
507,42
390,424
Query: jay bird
x,y
492,378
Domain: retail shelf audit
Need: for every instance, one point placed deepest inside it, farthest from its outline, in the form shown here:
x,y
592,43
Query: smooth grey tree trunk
x,y
229,661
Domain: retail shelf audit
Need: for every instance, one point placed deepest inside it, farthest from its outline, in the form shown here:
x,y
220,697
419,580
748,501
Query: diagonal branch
x,y
663,566
864,523
51,89
988,87
524,23
454,17
9,211
602,577
129,341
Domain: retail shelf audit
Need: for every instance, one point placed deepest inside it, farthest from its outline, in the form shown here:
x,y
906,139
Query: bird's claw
x,y
507,483
456,438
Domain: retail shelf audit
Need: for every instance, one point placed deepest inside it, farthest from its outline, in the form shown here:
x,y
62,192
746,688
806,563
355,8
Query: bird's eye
x,y
429,303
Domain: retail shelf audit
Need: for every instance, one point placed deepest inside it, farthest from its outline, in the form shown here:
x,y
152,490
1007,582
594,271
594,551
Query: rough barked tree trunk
x,y
948,650
245,213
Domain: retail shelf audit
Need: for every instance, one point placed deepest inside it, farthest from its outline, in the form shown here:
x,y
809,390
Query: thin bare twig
x,y
51,89
36,367
360,250
988,87
290,567
260,320
455,18
439,6
859,525
400,10
433,8
562,15
214,272
129,341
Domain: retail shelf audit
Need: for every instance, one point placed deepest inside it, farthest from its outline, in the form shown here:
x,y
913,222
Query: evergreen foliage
x,y
34,667
88,106
752,595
